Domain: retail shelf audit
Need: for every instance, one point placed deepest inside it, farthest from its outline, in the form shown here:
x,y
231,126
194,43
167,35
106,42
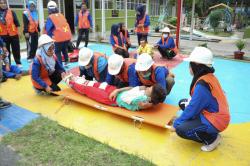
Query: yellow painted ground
x,y
158,145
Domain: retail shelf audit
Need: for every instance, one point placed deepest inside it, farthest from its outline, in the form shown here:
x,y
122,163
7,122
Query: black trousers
x,y
166,53
122,52
13,41
62,47
139,36
33,45
196,131
81,33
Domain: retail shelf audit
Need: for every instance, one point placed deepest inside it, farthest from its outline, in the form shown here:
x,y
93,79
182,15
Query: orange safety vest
x,y
175,49
33,25
117,42
152,81
62,30
97,55
123,76
44,75
143,29
126,36
83,21
9,28
220,119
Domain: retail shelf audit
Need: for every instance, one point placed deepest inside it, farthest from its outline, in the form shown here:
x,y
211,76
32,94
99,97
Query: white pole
x,y
93,17
147,6
7,2
103,19
24,3
59,4
192,21
126,13
41,14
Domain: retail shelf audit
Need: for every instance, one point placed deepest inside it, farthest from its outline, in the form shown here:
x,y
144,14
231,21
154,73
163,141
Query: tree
x,y
214,18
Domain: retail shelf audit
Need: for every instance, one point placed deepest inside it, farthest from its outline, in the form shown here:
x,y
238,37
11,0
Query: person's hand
x,y
27,35
18,76
63,74
156,46
5,50
172,129
7,68
48,89
171,75
145,105
113,95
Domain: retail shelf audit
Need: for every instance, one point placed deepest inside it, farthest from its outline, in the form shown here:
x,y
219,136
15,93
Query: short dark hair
x,y
143,39
158,94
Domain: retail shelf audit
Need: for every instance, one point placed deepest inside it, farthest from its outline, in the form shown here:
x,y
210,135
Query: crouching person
x,y
131,98
46,71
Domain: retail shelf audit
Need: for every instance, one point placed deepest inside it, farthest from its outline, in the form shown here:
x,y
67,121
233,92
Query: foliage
x,y
247,33
240,44
172,20
215,18
203,45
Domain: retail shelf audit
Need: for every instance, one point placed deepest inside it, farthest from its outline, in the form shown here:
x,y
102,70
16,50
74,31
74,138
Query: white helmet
x,y
51,4
115,63
44,39
201,55
144,62
165,30
85,55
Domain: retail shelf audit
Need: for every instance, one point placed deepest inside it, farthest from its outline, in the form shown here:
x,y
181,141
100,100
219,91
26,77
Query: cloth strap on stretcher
x,y
159,115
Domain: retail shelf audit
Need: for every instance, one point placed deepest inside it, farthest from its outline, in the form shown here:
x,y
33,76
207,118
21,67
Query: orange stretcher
x,y
160,115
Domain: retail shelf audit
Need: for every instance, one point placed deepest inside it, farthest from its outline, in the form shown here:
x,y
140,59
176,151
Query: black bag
x,y
71,46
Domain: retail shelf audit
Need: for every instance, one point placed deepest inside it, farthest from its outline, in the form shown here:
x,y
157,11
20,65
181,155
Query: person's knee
x,y
181,131
170,83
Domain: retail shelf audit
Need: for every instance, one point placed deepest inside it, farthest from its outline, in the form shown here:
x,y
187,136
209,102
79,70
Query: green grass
x,y
221,34
247,33
44,142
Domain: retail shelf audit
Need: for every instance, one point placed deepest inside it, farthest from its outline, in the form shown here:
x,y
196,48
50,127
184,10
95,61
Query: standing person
x,y
125,34
118,41
31,29
93,65
121,72
46,70
150,73
207,113
84,23
166,45
9,31
58,29
142,23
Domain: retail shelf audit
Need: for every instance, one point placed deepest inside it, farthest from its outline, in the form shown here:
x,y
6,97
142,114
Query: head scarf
x,y
142,10
48,61
115,32
3,13
121,25
34,13
198,71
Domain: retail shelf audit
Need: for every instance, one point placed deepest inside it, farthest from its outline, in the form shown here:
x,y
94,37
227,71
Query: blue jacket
x,y
89,18
146,23
170,44
133,79
36,66
201,99
49,27
161,73
102,66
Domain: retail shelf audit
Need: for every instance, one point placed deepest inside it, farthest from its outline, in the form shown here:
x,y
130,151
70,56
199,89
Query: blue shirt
x,y
133,79
36,69
112,41
49,27
201,99
89,18
102,64
168,45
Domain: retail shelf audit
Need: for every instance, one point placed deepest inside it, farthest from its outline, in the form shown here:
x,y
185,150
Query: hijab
x,y
34,13
142,10
115,32
199,70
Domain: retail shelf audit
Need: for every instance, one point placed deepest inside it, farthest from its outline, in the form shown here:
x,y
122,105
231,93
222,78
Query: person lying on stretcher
x,y
131,98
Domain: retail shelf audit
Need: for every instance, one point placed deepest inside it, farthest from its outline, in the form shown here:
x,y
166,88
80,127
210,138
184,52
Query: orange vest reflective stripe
x,y
175,49
124,74
33,25
152,81
44,75
97,55
62,30
10,28
83,21
117,42
143,29
220,119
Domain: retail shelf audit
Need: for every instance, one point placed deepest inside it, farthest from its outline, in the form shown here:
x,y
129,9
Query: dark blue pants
x,y
61,48
14,70
196,131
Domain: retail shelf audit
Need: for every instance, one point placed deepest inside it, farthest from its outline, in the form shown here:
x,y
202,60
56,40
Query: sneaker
x,y
4,104
3,79
183,103
30,60
212,146
18,76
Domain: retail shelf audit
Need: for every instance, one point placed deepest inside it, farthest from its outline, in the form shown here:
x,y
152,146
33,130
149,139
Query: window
x,y
156,7
119,4
132,4
108,4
